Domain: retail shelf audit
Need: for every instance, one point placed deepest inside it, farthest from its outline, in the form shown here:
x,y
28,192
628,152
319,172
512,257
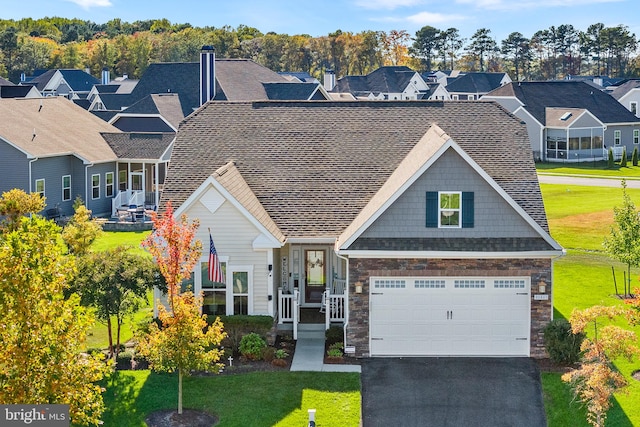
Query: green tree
x,y
81,230
425,45
184,343
623,243
115,282
634,156
517,48
623,159
15,203
482,45
41,332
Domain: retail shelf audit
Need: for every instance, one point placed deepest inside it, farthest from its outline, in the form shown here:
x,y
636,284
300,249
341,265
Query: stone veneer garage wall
x,y
361,269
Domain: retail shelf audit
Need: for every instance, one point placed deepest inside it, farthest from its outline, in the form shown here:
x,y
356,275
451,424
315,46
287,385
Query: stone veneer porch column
x,y
360,269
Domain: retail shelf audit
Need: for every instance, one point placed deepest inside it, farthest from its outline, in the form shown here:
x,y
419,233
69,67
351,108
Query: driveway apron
x,y
454,392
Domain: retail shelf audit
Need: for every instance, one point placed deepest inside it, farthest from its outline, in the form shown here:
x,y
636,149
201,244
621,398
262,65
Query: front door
x,y
315,275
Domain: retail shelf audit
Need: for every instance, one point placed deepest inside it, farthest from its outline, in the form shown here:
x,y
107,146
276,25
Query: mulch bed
x,y
188,418
548,365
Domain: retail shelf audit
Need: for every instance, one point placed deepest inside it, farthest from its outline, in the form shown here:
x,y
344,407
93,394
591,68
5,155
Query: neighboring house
x,y
386,83
472,86
420,226
627,93
15,91
143,159
592,120
53,147
226,79
70,83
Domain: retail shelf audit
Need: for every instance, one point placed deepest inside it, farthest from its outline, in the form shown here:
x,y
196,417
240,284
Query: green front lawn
x,y
579,219
254,399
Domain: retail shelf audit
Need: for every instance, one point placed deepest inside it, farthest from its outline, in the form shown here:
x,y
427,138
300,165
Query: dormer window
x,y
450,209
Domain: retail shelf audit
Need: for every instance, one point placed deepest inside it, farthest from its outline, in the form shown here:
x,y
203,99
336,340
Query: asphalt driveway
x,y
452,392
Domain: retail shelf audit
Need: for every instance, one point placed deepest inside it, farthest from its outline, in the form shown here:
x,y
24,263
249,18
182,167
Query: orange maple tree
x,y
596,380
185,342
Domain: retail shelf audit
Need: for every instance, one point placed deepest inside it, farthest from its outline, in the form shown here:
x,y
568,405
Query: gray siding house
x,y
55,148
570,121
418,226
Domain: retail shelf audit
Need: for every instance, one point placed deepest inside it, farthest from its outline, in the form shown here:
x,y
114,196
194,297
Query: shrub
x,y
610,161
623,160
334,334
634,156
561,343
281,354
238,326
335,350
252,345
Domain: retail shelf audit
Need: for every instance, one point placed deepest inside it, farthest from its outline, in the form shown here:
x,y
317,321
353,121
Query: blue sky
x,y
322,17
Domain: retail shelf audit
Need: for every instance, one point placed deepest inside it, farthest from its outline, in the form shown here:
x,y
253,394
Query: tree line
x,y
128,48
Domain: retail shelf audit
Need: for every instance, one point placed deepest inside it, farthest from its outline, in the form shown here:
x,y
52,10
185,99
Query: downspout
x,y
30,177
346,306
86,187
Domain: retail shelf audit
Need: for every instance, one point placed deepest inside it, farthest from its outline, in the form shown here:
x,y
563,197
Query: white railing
x,y
126,198
285,307
334,310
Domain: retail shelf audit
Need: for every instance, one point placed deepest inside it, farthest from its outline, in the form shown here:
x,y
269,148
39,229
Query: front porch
x,y
333,309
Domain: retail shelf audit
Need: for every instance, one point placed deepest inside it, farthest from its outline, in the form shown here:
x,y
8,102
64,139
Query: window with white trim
x,y
214,293
633,107
450,207
108,184
95,186
40,187
636,136
617,137
240,291
468,283
66,188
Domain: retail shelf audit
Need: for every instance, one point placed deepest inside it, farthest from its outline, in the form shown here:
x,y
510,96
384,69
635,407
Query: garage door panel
x,y
477,318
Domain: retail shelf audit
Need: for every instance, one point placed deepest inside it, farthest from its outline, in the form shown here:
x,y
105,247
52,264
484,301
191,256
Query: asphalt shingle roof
x,y
625,87
315,165
140,146
78,80
60,126
476,83
537,96
389,79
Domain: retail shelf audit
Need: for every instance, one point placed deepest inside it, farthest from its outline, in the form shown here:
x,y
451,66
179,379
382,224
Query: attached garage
x,y
450,316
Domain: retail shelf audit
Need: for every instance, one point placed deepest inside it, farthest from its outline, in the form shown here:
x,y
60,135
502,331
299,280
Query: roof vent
x,y
566,116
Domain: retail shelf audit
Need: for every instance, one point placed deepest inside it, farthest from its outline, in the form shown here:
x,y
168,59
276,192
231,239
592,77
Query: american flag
x,y
215,272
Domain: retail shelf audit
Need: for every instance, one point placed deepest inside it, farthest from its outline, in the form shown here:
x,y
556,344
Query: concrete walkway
x,y
309,354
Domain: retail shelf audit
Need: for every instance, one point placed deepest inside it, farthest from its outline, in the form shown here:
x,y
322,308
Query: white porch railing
x,y
126,198
285,307
334,308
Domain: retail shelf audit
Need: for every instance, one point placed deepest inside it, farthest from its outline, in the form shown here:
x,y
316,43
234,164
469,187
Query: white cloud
x,y
428,18
528,4
386,4
87,4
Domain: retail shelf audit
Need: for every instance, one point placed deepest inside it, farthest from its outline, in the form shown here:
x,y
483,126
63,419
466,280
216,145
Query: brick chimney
x,y
207,74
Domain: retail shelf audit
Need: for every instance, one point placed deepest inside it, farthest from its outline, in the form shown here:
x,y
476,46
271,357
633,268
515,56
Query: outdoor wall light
x,y
542,287
358,287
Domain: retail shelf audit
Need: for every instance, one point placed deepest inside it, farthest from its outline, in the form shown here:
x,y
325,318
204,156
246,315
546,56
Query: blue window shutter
x,y
432,209
467,209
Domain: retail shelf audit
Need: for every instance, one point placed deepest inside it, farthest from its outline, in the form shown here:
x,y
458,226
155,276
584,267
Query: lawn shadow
x,y
257,398
120,398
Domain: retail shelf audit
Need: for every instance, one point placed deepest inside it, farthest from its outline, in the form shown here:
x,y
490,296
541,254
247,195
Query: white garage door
x,y
449,316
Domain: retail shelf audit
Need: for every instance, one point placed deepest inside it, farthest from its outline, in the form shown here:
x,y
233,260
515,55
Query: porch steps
x,y
311,331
